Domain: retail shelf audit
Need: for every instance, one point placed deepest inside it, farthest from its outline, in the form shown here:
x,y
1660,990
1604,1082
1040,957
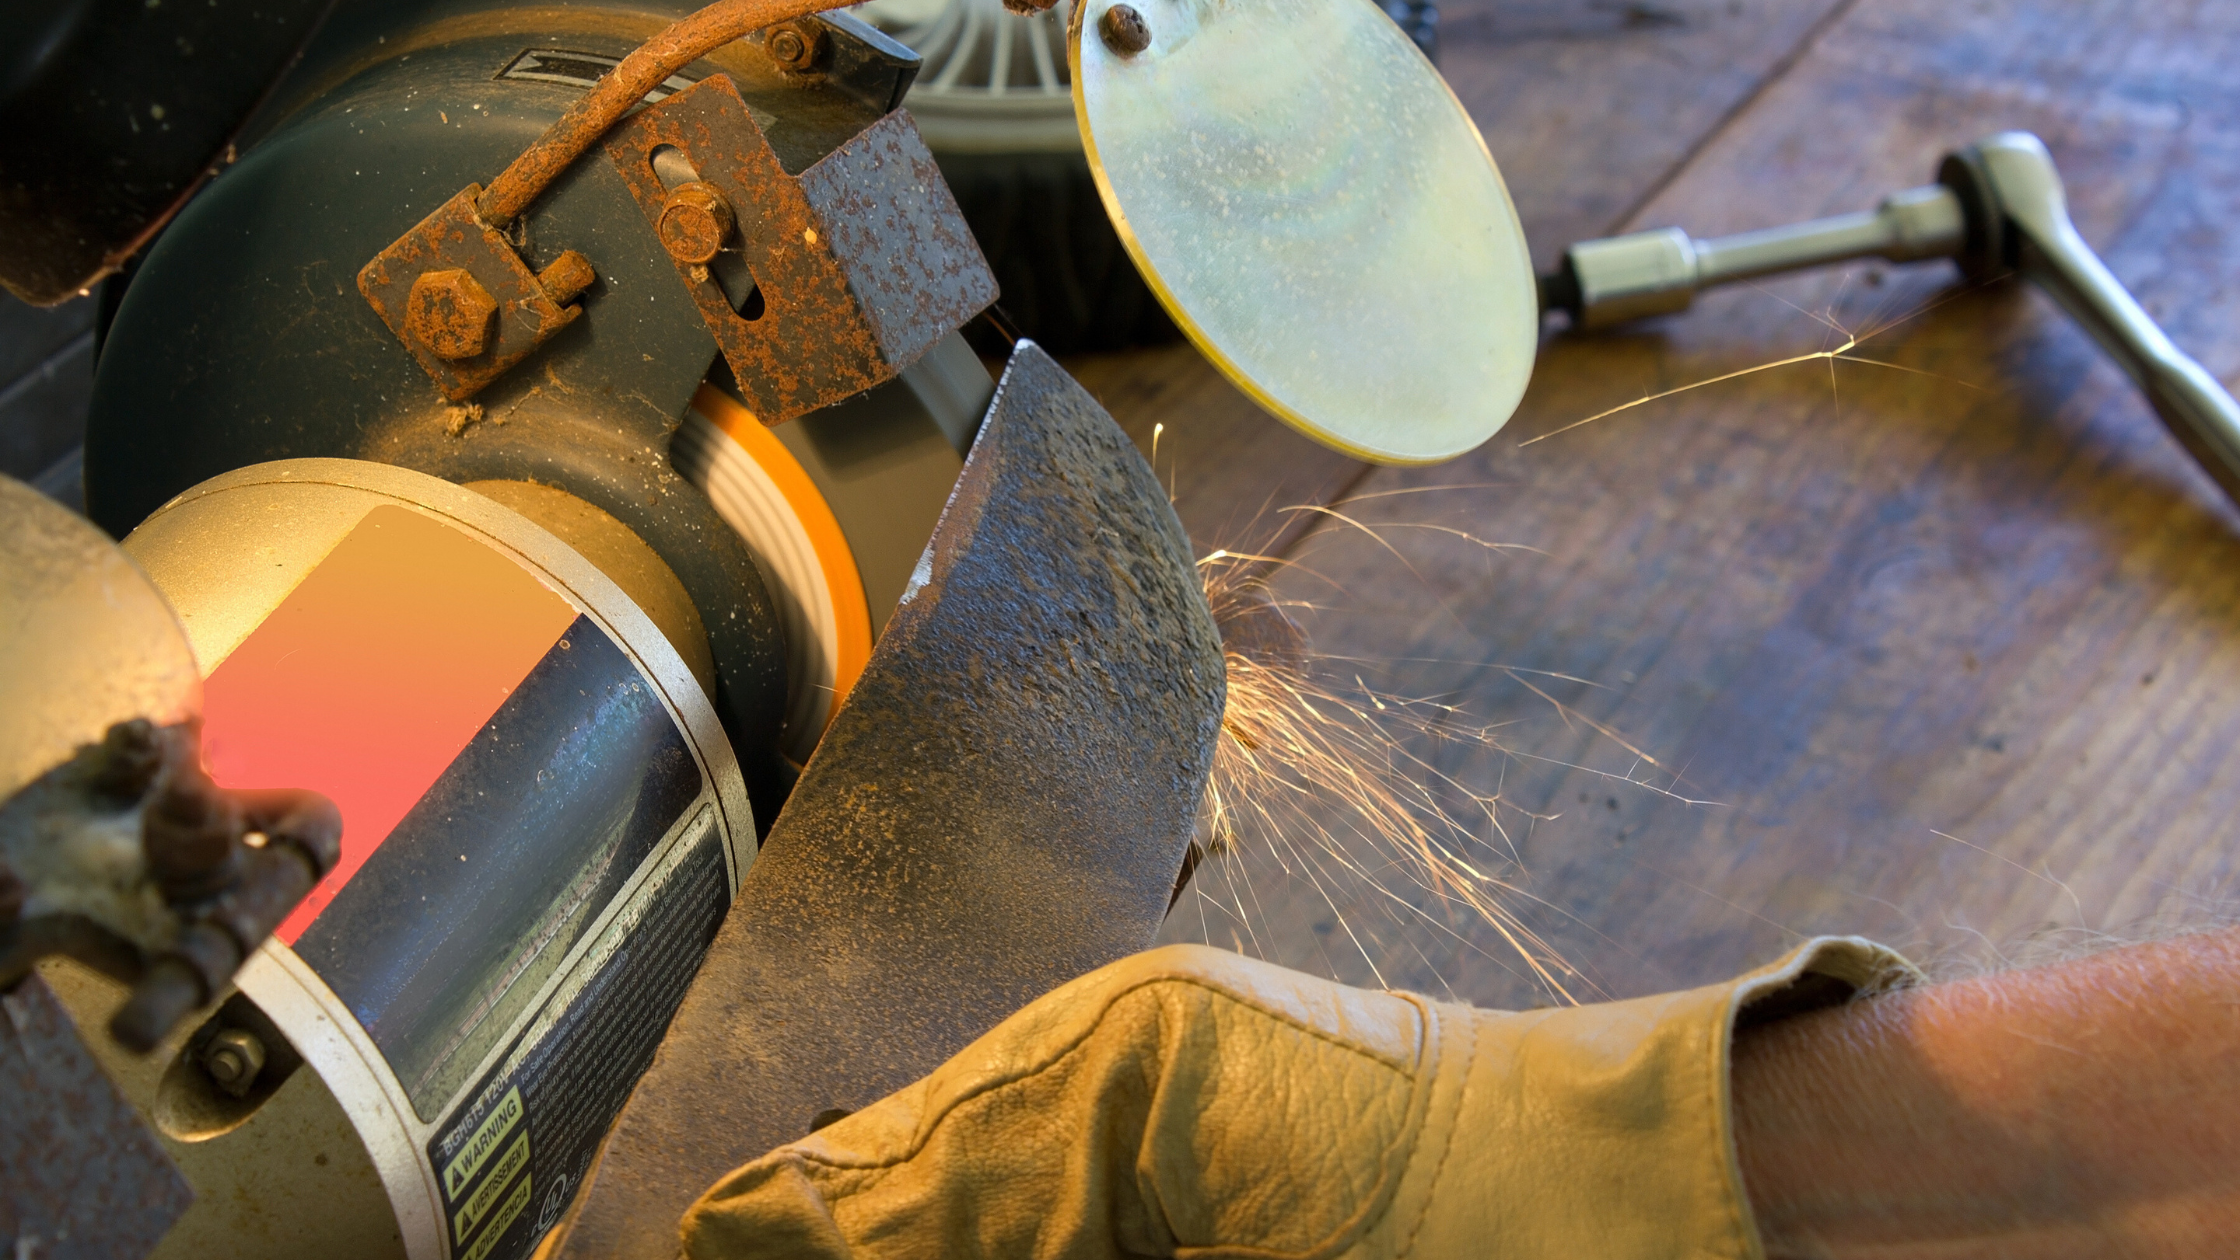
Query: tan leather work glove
x,y
1191,1102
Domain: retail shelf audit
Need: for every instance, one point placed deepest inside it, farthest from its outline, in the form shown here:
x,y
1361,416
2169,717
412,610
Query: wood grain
x,y
1942,658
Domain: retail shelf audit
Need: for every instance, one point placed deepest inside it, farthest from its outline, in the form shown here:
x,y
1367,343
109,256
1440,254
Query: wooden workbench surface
x,y
1936,656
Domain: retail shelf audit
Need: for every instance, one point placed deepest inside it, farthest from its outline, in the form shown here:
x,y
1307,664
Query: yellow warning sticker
x,y
493,1130
481,1201
515,1204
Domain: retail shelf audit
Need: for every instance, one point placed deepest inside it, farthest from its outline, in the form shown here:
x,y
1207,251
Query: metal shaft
x,y
1659,272
1998,206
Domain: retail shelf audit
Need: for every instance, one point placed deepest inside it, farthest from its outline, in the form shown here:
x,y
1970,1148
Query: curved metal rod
x,y
679,45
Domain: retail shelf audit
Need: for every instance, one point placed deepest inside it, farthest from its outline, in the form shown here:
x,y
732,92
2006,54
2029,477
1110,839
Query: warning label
x,y
504,1119
477,1208
516,1203
539,1115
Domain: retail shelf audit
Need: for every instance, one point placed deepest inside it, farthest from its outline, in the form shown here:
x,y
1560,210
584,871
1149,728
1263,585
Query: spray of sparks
x,y
1338,785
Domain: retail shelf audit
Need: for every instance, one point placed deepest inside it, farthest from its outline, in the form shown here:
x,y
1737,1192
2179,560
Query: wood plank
x,y
1588,109
1855,615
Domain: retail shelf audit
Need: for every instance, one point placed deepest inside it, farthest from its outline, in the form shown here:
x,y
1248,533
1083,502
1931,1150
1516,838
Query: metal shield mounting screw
x,y
795,46
1124,30
695,222
450,313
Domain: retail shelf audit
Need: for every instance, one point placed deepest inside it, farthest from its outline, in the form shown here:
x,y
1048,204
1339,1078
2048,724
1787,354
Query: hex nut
x,y
695,222
1124,30
795,45
450,313
233,1059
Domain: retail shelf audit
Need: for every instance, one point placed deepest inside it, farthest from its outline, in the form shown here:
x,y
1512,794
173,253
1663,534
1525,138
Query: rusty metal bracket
x,y
456,292
854,269
224,867
459,296
1002,805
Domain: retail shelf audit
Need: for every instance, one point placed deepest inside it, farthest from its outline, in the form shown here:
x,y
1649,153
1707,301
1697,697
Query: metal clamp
x,y
456,291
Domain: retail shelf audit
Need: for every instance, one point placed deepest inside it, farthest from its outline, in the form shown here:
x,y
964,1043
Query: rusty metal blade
x,y
1003,805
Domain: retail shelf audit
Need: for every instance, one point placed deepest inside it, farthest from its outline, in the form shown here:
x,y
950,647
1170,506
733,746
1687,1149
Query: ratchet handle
x,y
2014,171
1998,206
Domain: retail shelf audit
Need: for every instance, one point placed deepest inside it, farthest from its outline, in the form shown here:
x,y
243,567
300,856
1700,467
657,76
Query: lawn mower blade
x,y
1003,804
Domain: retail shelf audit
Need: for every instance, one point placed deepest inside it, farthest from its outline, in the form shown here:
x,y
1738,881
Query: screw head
x,y
451,314
1124,30
695,222
795,46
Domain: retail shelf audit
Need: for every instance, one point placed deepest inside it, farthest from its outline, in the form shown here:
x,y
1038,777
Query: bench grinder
x,y
539,544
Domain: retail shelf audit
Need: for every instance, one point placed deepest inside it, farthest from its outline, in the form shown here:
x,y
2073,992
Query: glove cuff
x,y
1605,1130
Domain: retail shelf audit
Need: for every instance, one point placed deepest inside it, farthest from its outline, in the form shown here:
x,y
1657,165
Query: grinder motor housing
x,y
556,685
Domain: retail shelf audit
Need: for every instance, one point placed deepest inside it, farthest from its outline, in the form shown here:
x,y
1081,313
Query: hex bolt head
x,y
451,314
233,1059
1124,30
795,46
695,222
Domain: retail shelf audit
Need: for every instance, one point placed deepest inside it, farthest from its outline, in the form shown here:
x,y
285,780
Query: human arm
x,y
2086,1109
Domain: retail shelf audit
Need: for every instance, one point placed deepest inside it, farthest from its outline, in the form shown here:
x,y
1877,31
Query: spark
x,y
1328,782
2047,876
1847,352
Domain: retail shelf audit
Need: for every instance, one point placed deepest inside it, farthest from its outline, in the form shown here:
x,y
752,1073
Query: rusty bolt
x,y
795,46
233,1059
131,755
1124,30
190,836
567,277
695,222
451,314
